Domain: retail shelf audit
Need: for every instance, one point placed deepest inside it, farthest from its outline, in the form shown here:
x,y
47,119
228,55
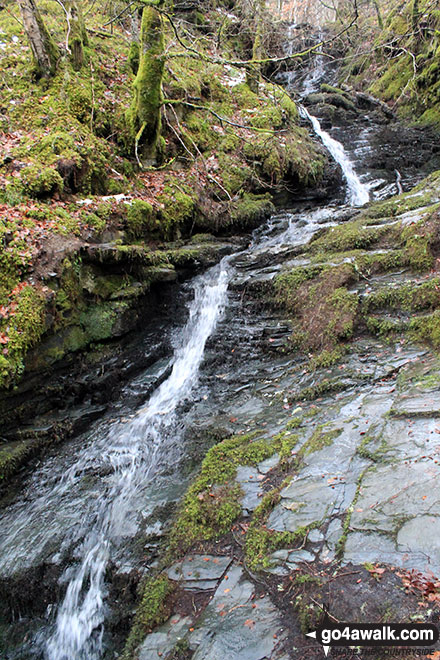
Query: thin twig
x,y
223,119
192,52
115,18
68,25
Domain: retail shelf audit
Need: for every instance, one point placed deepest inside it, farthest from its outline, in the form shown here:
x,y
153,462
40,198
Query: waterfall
x,y
311,82
133,452
358,192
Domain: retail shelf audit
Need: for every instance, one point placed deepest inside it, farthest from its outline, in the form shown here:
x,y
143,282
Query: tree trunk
x,y
253,71
415,15
133,53
77,33
378,14
143,117
44,49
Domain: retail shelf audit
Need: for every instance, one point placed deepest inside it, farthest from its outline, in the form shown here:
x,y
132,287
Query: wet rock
x,y
269,464
231,627
315,536
422,405
161,642
199,572
250,481
298,556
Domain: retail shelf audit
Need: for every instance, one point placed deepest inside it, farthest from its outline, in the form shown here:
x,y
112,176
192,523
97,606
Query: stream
x,y
78,516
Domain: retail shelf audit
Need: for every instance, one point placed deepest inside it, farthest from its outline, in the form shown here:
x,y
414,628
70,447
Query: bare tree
x,y
44,49
77,37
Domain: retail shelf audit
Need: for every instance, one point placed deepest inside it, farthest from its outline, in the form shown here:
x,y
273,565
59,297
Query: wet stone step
x,y
199,572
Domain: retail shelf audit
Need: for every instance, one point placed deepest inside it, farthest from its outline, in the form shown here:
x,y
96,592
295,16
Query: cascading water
x,y
358,192
311,82
133,453
129,454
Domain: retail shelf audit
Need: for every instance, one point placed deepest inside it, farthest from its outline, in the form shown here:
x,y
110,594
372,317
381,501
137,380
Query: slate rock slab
x,y
165,638
199,571
232,628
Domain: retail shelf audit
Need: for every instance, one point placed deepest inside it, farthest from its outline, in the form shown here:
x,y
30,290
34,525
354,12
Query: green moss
x,y
290,156
408,297
327,358
364,452
329,89
325,310
198,127
179,207
384,327
40,181
340,546
250,210
143,117
212,502
142,221
419,255
261,542
133,57
348,236
325,387
426,328
321,438
372,264
12,454
153,610
294,423
22,331
99,321
244,97
235,173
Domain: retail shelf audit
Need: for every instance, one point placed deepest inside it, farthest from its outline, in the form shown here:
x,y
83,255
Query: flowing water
x,y
130,453
358,192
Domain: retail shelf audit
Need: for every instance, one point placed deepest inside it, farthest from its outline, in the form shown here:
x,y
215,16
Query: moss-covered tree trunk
x,y
144,115
378,14
415,15
44,49
253,71
78,34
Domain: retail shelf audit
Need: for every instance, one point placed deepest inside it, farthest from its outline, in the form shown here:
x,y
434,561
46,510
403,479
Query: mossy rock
x,y
325,312
41,181
142,221
251,210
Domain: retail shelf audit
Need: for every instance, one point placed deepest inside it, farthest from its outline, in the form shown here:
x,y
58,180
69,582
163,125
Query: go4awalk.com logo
x,y
364,635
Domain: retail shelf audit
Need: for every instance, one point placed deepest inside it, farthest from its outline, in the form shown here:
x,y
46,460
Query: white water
x,y
311,82
129,454
358,192
132,453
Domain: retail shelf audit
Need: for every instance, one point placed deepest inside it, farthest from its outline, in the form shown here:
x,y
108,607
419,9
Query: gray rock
x,y
373,548
304,502
250,481
199,571
265,466
421,534
423,405
165,638
315,536
231,628
298,556
280,555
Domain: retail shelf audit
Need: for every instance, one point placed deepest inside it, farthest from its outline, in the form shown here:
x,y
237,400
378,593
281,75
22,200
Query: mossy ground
x,y
348,287
402,64
212,503
223,149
